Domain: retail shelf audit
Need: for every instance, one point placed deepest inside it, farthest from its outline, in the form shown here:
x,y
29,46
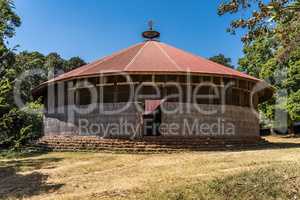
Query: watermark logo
x,y
96,104
121,127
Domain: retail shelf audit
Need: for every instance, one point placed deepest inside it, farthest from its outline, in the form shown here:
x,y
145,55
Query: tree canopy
x,y
221,59
9,20
277,17
17,124
271,49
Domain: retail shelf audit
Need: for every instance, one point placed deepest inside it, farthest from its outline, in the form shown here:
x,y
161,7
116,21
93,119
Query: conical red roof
x,y
156,57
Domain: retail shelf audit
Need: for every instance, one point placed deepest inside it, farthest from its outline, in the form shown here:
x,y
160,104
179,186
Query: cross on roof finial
x,y
150,24
150,34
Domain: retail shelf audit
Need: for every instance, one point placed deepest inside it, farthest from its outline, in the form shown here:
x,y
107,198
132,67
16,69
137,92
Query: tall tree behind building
x,y
221,59
271,48
17,126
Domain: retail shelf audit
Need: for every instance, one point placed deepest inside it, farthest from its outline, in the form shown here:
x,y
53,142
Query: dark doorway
x,y
152,123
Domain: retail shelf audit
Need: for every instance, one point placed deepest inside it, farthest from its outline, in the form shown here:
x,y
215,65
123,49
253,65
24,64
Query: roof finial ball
x,y
151,34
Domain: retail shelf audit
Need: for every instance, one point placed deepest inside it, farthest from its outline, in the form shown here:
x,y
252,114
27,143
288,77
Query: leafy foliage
x,y
271,49
279,17
256,54
74,63
221,59
20,125
9,20
293,106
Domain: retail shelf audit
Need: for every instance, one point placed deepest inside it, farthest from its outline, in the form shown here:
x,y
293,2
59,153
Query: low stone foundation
x,y
148,144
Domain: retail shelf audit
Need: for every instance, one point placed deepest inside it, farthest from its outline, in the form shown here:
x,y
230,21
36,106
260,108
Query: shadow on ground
x,y
291,136
269,146
247,147
25,152
17,180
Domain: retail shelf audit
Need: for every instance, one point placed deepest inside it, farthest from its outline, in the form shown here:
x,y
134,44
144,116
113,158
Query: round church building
x,y
153,89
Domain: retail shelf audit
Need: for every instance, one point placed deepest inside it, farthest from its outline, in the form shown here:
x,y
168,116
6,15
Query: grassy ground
x,y
271,173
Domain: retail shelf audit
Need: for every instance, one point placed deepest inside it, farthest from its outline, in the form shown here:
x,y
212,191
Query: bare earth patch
x,y
270,173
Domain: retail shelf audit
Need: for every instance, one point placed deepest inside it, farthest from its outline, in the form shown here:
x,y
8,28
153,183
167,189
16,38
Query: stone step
x,y
178,149
158,140
103,145
153,144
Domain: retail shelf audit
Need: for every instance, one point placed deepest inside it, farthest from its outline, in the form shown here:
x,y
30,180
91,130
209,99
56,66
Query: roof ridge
x,y
168,56
111,56
176,59
96,62
136,55
224,69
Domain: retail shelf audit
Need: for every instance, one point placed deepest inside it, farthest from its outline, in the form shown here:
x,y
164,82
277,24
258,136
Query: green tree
x,y
266,17
9,20
18,125
256,54
34,64
271,49
74,63
55,64
221,59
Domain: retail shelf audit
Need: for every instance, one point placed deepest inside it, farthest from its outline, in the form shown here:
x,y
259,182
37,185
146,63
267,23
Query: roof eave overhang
x,y
53,81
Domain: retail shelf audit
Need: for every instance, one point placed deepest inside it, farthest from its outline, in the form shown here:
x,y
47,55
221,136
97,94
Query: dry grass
x,y
254,174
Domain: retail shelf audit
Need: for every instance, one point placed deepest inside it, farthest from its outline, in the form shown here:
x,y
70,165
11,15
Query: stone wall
x,y
178,119
208,120
104,121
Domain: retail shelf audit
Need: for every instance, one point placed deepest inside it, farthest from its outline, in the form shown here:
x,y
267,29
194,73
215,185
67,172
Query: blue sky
x,y
92,29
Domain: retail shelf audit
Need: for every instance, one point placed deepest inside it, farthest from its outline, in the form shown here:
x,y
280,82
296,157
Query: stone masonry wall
x,y
178,119
209,120
105,121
